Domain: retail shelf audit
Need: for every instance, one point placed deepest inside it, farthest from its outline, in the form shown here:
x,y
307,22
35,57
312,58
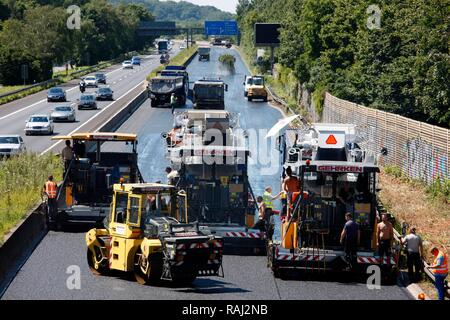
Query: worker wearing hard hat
x,y
439,268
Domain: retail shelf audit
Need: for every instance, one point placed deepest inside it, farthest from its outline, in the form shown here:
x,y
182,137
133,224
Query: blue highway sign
x,y
221,28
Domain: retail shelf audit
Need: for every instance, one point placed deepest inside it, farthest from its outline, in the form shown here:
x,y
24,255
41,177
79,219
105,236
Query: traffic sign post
x,y
24,72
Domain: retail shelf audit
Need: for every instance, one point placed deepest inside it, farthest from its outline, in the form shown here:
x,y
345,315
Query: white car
x,y
39,124
127,64
11,145
91,81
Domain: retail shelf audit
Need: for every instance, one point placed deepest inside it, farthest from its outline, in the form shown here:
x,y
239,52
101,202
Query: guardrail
x,y
58,79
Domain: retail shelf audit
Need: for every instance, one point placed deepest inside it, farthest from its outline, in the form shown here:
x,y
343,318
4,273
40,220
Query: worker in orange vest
x,y
51,191
439,270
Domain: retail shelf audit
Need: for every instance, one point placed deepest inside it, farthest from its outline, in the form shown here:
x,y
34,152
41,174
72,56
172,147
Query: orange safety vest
x,y
50,189
442,268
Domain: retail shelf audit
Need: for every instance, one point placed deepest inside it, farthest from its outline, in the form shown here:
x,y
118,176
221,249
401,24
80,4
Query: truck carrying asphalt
x,y
171,80
209,94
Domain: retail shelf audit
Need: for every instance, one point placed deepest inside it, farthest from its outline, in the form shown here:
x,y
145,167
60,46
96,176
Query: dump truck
x,y
338,174
171,80
209,94
86,192
144,234
204,53
209,150
255,88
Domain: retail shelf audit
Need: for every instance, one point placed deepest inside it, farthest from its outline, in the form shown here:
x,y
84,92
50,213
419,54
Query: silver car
x,y
63,113
39,123
11,145
127,64
91,81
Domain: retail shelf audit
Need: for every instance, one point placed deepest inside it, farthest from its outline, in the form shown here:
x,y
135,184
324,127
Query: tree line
x,y
181,11
35,33
400,65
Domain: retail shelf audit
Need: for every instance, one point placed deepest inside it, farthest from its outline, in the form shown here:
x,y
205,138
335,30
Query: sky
x,y
225,5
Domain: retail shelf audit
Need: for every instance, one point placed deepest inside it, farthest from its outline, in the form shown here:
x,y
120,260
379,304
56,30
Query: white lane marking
x,y
92,118
43,100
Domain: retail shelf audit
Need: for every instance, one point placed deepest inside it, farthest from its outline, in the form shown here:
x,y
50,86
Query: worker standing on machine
x,y
262,209
291,184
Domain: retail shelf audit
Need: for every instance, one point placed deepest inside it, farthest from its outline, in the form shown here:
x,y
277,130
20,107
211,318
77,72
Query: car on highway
x,y
11,145
182,47
127,64
39,124
56,94
136,61
63,113
87,101
101,78
104,93
91,81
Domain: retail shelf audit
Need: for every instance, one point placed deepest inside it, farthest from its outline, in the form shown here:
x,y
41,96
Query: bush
x,y
439,190
228,60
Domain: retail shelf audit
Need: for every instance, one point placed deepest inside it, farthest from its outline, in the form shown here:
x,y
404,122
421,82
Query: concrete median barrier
x,y
19,243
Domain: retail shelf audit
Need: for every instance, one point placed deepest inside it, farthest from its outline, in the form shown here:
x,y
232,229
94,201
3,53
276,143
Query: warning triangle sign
x,y
331,140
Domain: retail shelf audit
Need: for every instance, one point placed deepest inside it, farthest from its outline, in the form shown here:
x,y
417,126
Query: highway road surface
x,y
44,274
123,82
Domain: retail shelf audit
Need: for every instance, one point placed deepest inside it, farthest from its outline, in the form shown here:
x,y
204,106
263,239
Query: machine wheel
x,y
249,98
96,268
245,93
265,99
147,271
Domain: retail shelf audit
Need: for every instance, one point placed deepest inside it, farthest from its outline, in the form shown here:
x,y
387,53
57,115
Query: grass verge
x,y
7,89
413,202
21,180
180,59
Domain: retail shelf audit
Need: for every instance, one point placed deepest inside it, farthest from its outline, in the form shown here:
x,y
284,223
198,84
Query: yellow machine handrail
x,y
99,136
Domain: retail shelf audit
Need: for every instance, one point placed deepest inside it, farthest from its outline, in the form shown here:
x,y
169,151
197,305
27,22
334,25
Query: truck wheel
x,y
245,93
93,258
265,99
147,271
249,99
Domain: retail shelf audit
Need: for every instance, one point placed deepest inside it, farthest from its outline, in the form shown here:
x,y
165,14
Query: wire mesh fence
x,y
422,151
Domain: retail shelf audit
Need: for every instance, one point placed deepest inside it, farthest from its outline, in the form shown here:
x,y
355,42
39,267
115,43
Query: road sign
x,y
157,28
221,28
267,34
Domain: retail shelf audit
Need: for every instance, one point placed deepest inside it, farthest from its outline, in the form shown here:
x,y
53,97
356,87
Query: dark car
x,y
136,61
87,101
101,78
56,94
104,93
